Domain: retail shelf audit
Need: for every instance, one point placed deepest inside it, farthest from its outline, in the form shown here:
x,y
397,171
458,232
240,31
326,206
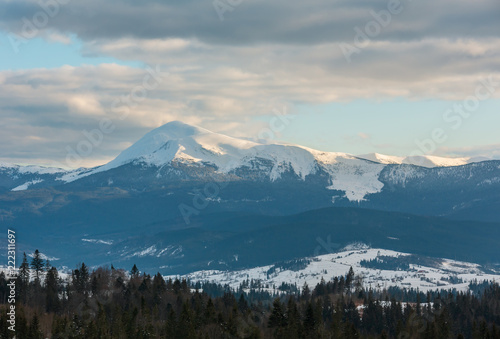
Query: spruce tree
x,y
242,304
134,272
37,264
309,320
349,279
34,328
23,279
52,303
277,317
294,328
306,292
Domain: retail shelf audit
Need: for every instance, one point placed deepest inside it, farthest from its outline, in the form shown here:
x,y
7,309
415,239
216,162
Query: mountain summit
x,y
177,144
178,140
180,153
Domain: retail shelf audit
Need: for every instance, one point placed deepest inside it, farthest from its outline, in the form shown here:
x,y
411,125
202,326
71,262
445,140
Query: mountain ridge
x,y
134,207
179,144
177,130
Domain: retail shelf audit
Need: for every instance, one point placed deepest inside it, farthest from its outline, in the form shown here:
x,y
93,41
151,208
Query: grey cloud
x,y
259,21
401,65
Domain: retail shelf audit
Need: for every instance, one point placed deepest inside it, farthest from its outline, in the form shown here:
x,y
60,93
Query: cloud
x,y
364,136
384,69
223,88
222,74
259,21
481,151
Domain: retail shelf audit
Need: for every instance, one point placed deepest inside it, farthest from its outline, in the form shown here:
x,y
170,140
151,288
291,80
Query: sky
x,y
388,76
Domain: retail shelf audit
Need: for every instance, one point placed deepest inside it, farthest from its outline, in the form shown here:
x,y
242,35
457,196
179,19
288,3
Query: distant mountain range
x,y
178,177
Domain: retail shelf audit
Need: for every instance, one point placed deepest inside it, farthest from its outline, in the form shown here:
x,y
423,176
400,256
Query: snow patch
x,y
26,185
148,251
355,246
429,161
451,274
96,241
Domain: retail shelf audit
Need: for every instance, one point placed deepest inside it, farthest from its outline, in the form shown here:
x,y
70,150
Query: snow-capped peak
x,y
197,146
357,176
187,143
177,140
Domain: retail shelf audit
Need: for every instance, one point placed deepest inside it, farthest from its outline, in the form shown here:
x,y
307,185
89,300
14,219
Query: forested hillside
x,y
112,303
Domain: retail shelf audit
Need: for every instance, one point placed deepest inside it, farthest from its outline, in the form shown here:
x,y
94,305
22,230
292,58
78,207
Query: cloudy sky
x,y
387,76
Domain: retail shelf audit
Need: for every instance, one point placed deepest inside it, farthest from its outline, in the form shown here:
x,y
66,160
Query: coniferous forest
x,y
114,303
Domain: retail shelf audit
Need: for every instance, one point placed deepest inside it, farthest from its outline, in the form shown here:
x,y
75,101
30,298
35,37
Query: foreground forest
x,y
113,303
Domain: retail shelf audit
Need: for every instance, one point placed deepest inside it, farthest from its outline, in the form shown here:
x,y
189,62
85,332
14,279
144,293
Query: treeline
x,y
112,303
399,263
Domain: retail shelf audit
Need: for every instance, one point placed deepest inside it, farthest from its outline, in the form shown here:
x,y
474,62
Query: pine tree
x,y
306,292
22,329
24,270
349,279
34,328
294,326
52,303
171,325
81,279
23,279
277,317
37,264
47,265
309,320
242,304
134,272
185,327
210,315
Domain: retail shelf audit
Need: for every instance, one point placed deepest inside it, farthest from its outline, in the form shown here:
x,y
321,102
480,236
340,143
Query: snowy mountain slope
x,y
179,153
434,274
26,185
382,158
429,161
17,169
19,178
177,142
195,146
